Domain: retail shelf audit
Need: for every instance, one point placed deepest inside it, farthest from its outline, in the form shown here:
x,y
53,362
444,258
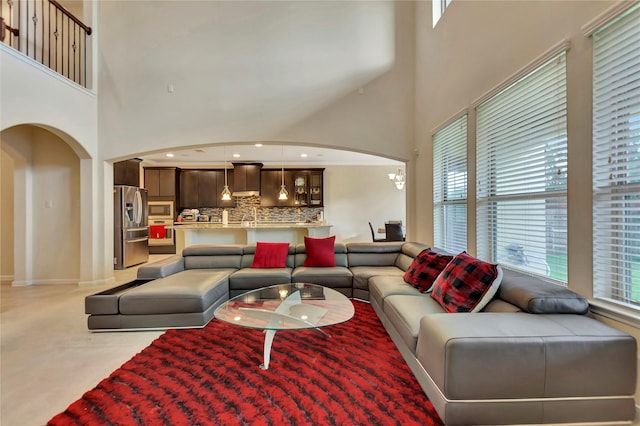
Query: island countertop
x,y
192,233
251,225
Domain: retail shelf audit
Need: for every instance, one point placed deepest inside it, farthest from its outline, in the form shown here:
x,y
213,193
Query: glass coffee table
x,y
292,306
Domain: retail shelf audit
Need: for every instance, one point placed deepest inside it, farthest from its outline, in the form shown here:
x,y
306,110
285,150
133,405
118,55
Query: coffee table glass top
x,y
287,307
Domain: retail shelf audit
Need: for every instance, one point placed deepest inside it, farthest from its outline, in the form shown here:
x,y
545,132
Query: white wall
x,y
256,71
355,195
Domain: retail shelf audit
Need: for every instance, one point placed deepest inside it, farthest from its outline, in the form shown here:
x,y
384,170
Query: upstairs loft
x,y
49,33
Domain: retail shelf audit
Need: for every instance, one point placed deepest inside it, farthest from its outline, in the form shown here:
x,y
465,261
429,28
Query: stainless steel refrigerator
x,y
131,227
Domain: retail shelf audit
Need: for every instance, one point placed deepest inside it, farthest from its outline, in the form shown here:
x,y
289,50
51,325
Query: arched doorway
x,y
40,199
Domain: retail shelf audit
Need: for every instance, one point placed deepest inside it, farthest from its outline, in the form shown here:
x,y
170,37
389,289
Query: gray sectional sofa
x,y
533,355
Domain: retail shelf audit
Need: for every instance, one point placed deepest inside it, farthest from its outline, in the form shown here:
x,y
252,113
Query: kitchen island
x,y
192,233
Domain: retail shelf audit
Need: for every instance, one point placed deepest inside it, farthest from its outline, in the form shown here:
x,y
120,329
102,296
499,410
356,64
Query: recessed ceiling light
x,y
236,155
303,155
168,154
259,145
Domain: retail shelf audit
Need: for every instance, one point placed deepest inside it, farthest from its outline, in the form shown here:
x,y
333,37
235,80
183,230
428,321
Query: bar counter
x,y
192,233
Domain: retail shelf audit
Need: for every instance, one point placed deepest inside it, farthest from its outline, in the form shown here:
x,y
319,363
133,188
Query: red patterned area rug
x,y
211,376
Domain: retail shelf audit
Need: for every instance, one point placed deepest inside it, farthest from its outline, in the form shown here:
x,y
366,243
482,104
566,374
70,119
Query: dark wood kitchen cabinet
x,y
161,182
189,189
316,196
246,176
203,188
270,188
127,172
207,188
305,187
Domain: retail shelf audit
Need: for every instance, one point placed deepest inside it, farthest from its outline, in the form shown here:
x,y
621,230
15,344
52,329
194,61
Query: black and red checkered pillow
x,y
425,268
466,284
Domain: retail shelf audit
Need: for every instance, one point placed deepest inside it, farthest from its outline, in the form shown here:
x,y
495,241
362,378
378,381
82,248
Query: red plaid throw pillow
x,y
425,268
466,284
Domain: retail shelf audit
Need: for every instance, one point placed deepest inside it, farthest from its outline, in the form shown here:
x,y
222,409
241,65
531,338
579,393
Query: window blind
x,y
616,160
522,173
450,186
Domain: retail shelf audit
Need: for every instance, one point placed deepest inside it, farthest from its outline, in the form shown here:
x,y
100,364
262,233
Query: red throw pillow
x,y
320,251
270,255
466,284
425,269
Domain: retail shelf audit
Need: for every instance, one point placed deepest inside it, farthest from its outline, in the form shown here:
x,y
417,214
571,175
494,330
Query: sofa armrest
x,y
161,268
536,296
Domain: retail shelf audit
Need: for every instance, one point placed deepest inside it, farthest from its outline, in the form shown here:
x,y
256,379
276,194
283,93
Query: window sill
x,y
615,312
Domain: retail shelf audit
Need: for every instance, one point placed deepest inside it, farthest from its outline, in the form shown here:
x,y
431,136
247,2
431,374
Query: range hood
x,y
246,179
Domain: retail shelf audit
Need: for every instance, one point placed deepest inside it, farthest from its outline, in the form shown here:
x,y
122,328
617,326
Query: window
x,y
438,9
522,173
616,160
450,186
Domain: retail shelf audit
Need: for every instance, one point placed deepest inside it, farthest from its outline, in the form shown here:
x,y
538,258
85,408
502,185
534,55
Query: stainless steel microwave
x,y
162,209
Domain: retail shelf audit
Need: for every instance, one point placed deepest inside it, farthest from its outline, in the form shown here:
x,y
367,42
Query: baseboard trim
x,y
95,283
6,277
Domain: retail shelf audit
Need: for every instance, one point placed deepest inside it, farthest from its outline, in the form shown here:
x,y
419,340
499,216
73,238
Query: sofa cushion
x,y
361,274
404,313
466,284
252,278
206,256
319,251
332,277
270,255
193,290
373,254
537,296
425,268
382,286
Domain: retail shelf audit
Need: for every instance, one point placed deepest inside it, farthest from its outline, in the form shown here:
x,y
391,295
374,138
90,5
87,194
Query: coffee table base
x,y
268,341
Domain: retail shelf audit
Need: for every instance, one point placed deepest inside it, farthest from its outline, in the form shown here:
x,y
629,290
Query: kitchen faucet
x,y
255,218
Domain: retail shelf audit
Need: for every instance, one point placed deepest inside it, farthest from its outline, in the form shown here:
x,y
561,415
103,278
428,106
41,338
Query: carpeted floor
x,y
211,376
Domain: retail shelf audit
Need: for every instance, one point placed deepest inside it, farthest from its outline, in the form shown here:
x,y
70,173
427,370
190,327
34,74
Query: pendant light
x,y
226,194
284,195
399,179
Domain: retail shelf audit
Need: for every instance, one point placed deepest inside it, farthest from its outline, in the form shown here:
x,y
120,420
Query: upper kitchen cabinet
x,y
161,182
246,179
315,188
203,188
270,188
304,187
308,188
189,180
127,172
300,188
207,188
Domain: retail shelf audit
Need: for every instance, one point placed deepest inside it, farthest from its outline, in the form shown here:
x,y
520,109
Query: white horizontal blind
x,y
450,186
616,160
522,173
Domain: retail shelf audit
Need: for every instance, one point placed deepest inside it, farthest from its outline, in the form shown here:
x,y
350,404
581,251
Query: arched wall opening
x,y
41,214
357,189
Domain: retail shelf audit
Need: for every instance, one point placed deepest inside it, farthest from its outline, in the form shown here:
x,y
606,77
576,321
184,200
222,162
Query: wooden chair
x,y
373,235
393,232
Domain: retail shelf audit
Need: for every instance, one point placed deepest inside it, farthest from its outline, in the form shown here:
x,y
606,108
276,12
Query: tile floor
x,y
48,358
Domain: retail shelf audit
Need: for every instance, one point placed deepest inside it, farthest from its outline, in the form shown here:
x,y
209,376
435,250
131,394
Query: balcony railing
x,y
48,33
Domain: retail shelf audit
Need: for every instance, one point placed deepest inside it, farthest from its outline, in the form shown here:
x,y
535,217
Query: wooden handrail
x,y
71,16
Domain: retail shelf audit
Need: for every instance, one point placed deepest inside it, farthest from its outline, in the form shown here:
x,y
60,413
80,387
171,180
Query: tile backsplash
x,y
244,211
